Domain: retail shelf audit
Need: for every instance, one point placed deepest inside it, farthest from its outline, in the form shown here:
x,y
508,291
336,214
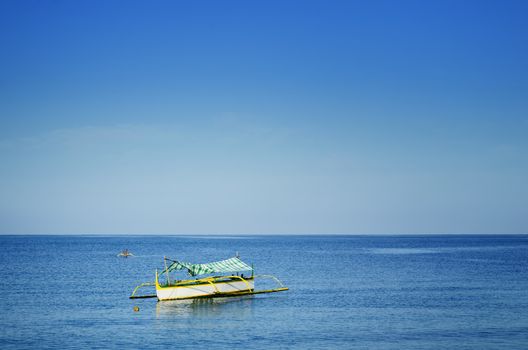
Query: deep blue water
x,y
364,292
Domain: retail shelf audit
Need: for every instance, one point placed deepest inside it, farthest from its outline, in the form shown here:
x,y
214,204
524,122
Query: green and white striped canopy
x,y
229,265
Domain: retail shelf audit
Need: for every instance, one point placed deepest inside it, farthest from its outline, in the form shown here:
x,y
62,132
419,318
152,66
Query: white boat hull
x,y
204,289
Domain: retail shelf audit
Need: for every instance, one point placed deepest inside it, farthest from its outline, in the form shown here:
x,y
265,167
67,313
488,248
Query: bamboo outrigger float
x,y
230,285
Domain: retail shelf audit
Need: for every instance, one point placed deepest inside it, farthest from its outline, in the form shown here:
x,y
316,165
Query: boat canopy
x,y
229,265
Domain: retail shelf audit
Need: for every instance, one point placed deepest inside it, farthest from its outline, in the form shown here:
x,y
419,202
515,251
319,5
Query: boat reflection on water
x,y
239,306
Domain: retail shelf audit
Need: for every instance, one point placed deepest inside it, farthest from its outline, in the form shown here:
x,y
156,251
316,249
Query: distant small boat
x,y
125,253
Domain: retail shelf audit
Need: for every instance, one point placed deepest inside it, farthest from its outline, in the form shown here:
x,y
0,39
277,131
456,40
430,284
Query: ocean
x,y
346,292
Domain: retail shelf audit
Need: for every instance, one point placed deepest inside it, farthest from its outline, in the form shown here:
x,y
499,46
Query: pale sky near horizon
x,y
241,117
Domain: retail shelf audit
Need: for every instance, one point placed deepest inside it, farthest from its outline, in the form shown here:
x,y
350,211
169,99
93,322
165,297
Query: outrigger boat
x,y
125,253
232,282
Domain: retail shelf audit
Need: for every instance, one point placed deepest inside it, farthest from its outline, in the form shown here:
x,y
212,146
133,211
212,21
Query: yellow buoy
x,y
136,308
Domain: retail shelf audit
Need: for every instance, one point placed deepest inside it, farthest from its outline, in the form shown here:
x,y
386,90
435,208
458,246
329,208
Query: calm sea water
x,y
364,292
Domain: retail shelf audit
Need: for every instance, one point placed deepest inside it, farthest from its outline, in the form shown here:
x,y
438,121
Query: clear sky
x,y
263,117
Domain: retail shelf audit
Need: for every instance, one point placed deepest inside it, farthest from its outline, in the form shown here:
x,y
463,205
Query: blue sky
x,y
263,117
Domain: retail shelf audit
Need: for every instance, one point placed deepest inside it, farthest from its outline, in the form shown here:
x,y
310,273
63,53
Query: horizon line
x,y
271,234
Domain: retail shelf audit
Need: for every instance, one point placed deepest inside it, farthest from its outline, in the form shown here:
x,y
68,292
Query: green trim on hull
x,y
195,283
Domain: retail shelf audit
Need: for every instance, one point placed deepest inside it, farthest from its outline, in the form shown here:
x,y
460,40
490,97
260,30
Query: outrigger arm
x,y
211,280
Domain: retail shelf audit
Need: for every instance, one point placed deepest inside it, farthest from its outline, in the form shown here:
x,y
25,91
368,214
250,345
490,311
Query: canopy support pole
x,y
166,270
